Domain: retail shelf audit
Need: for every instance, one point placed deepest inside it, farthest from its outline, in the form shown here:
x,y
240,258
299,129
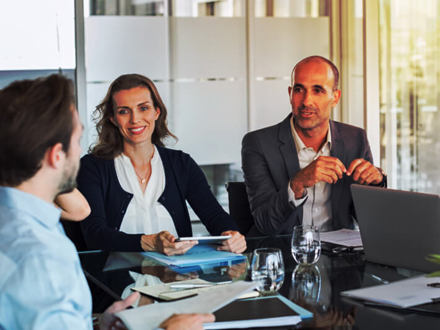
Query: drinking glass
x,y
306,245
267,268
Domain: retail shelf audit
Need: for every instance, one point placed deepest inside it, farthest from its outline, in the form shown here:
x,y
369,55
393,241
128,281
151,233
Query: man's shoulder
x,y
346,130
343,127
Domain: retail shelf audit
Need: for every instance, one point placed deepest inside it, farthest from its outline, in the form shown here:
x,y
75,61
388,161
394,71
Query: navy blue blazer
x,y
184,181
270,161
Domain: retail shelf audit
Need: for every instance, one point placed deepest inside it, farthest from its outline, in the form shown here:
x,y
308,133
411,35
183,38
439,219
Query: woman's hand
x,y
165,243
236,243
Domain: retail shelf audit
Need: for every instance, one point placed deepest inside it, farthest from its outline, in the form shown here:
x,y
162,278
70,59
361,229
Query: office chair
x,y
239,206
73,231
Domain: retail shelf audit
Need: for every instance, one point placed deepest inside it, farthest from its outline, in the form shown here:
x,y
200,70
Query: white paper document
x,y
167,292
405,293
151,316
344,237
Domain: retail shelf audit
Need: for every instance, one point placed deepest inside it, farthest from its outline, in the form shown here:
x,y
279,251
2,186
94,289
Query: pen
x,y
377,278
195,285
188,286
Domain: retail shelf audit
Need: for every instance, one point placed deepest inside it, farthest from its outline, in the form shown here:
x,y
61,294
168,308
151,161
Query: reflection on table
x,y
316,288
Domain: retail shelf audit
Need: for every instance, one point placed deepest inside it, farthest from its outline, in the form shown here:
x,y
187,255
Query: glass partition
x,y
292,8
216,64
38,39
410,93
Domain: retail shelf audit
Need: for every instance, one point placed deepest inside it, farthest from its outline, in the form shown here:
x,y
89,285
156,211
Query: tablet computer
x,y
205,239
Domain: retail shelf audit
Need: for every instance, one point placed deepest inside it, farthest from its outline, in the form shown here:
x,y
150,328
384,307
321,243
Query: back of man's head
x,y
34,115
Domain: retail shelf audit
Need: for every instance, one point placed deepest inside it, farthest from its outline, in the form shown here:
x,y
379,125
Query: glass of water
x,y
306,245
267,268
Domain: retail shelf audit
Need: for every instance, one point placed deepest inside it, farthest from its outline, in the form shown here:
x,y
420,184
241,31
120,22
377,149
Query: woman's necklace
x,y
143,179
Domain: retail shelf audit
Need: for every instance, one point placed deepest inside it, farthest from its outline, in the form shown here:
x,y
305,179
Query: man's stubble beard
x,y
68,182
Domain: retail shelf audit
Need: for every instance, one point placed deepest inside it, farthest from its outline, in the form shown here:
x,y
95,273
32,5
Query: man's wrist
x,y
298,190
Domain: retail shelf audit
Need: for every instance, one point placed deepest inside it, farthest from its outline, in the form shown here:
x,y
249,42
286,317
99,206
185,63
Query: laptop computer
x,y
398,228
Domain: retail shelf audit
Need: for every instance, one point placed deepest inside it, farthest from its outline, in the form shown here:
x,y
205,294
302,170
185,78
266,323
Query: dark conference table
x,y
316,288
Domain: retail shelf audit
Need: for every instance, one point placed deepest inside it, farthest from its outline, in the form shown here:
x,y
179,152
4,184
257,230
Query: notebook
x,y
398,228
196,257
258,312
405,293
150,316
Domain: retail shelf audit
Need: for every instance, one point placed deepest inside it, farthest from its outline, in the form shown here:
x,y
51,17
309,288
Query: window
x,y
410,93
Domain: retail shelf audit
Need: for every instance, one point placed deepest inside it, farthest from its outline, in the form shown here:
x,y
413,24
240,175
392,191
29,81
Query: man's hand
x,y
108,320
187,321
323,169
364,172
165,243
236,243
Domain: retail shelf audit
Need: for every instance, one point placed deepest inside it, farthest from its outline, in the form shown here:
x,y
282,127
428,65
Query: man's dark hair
x,y
323,59
34,116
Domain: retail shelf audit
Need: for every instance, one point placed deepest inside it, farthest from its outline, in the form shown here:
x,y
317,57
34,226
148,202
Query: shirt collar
x,y
127,159
43,212
299,144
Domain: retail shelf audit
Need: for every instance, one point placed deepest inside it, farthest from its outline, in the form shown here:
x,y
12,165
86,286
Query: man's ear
x,y
55,156
289,90
336,96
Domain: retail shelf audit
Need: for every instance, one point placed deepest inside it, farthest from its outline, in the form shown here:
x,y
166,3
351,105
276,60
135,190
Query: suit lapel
x,y
337,150
287,148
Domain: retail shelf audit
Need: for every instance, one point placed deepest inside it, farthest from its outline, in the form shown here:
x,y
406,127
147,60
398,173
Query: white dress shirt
x,y
144,213
317,208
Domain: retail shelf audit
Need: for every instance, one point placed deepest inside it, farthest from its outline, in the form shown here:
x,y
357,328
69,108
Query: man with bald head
x,y
300,170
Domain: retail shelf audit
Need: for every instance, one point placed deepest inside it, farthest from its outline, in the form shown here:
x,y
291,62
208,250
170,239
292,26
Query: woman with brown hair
x,y
137,189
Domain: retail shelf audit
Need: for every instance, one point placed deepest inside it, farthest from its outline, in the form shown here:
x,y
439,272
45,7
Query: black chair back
x,y
73,231
239,207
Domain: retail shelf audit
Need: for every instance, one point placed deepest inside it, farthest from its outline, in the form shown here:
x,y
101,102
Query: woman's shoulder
x,y
91,160
180,161
173,154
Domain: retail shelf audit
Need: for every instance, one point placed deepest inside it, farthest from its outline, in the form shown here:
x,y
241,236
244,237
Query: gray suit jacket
x,y
270,161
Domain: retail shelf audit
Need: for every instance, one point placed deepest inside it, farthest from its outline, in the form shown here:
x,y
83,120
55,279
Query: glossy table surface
x,y
317,287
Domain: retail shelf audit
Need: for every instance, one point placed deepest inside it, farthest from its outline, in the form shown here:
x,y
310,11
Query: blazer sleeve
x,y
269,204
100,231
367,155
204,203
